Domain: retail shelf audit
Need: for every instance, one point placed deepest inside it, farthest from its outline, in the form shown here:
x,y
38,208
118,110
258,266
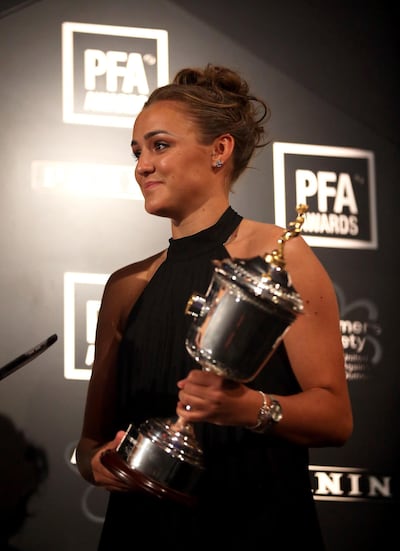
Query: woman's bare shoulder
x,y
254,238
125,285
141,269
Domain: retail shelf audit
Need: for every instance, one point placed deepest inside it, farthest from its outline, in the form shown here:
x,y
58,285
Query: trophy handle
x,y
293,230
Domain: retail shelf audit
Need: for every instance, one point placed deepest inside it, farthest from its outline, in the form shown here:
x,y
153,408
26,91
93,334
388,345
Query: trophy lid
x,y
266,278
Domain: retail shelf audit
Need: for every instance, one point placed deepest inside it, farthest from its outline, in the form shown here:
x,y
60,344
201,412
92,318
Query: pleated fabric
x,y
255,489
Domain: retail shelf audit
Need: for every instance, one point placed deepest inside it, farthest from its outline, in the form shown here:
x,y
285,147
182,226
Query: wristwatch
x,y
269,414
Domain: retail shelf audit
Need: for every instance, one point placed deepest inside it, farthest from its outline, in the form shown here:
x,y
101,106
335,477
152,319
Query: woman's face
x,y
174,170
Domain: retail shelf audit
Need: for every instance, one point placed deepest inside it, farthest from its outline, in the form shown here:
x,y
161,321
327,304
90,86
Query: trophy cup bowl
x,y
237,326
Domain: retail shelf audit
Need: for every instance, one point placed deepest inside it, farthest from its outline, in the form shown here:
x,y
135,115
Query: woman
x,y
192,141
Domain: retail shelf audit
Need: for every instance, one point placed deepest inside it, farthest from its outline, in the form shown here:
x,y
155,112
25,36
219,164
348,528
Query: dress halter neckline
x,y
206,239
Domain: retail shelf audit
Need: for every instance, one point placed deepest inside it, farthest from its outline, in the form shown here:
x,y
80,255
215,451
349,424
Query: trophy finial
x,y
293,230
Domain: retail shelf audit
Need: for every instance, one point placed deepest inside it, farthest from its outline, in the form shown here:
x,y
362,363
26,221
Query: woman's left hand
x,y
206,396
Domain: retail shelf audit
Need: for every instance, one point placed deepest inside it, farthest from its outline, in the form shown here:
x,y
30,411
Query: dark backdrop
x,y
328,72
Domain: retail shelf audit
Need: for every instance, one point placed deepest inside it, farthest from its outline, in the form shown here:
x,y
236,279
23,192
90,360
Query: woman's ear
x,y
223,147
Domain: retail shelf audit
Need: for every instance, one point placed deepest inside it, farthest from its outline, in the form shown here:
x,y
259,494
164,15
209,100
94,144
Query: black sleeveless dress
x,y
256,488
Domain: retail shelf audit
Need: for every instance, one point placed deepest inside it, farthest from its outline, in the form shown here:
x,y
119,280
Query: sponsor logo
x,y
337,184
360,328
350,484
109,71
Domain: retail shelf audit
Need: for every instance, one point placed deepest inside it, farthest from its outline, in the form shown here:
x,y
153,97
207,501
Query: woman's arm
x,y
321,414
99,432
99,424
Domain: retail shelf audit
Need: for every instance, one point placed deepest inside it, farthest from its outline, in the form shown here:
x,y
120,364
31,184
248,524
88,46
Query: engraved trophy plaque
x,y
237,326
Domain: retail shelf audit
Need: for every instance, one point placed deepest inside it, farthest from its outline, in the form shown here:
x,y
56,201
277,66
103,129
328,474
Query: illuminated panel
x,y
109,71
82,296
96,180
337,184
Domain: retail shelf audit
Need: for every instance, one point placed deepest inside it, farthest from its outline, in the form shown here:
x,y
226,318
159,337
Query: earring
x,y
218,163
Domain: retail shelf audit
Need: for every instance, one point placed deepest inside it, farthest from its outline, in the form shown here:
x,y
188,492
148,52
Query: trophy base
x,y
113,461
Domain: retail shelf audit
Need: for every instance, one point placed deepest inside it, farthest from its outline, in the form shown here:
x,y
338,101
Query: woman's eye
x,y
158,146
135,155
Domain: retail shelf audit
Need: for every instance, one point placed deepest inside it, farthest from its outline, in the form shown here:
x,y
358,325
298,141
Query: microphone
x,y
26,357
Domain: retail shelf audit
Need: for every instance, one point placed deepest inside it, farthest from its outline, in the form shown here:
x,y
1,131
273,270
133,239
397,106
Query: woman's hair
x,y
218,101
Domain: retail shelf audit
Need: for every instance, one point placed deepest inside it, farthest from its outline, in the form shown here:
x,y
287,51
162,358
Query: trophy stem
x,y
183,427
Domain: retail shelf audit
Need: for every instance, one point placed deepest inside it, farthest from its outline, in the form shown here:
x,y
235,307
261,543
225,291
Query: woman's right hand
x,y
101,475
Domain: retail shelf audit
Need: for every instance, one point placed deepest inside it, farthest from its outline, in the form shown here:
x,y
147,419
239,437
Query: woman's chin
x,y
156,209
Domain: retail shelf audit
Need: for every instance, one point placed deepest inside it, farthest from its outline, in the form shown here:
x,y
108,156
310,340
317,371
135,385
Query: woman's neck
x,y
198,220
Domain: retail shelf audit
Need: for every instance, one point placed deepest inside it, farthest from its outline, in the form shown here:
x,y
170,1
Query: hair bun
x,y
213,77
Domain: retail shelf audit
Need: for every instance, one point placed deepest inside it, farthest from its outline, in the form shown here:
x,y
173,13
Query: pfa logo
x,y
337,184
109,72
82,297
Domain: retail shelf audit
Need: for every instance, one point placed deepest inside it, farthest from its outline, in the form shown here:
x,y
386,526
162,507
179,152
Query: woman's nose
x,y
144,164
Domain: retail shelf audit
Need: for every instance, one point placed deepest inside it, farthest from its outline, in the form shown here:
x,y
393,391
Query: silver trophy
x,y
237,326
